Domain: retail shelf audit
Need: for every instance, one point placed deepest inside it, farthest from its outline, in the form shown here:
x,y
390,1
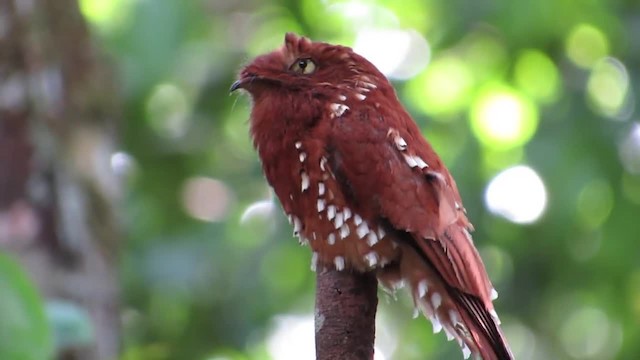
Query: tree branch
x,y
345,315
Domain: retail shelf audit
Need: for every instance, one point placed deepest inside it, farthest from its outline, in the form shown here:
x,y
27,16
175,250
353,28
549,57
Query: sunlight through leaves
x,y
517,194
503,118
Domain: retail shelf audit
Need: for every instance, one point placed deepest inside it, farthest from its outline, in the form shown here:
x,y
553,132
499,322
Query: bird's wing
x,y
386,166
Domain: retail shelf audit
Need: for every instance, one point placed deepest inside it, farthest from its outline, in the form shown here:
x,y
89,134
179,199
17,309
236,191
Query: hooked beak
x,y
249,82
245,80
236,85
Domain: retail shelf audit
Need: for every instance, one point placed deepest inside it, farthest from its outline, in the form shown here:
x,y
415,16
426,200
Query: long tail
x,y
483,325
463,317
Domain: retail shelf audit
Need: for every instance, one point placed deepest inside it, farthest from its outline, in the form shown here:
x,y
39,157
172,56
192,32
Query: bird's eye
x,y
304,66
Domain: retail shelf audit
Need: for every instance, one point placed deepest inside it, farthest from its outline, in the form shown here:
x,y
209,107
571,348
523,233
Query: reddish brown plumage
x,y
363,187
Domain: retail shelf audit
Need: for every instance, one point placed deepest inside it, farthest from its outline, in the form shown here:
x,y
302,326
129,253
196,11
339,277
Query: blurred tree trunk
x,y
57,187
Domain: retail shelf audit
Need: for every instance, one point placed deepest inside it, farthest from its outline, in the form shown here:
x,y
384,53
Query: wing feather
x,y
414,200
391,170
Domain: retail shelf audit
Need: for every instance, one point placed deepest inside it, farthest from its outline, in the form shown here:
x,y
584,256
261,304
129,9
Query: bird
x,y
364,189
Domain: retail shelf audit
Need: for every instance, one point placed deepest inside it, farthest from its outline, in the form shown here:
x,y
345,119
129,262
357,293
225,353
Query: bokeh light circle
x,y
206,199
537,75
503,118
608,88
399,54
518,194
586,44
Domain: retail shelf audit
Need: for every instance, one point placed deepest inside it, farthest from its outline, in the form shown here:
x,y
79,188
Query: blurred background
x,y
133,207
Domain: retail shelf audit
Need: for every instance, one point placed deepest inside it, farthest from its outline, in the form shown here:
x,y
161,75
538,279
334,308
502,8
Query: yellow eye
x,y
304,66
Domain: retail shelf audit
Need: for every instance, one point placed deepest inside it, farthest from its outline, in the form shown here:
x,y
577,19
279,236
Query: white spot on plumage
x,y
454,317
339,220
331,212
298,144
457,206
410,160
314,261
290,217
303,240
339,262
302,156
338,109
420,162
369,85
342,98
465,351
360,97
347,213
344,231
381,232
320,205
323,163
436,300
422,288
449,334
320,188
357,220
371,258
297,225
372,238
416,313
314,236
494,294
437,326
400,143
362,230
494,315
305,181
331,239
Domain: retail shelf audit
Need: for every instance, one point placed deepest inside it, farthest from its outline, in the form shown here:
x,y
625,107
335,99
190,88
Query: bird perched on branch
x,y
364,189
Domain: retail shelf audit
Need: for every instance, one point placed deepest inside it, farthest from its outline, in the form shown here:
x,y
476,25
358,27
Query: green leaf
x,y
24,329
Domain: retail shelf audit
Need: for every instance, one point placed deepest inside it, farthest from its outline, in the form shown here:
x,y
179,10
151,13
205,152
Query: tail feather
x,y
450,286
484,327
463,316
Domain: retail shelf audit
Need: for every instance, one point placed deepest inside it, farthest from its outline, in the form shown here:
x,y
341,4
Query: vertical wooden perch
x,y
345,315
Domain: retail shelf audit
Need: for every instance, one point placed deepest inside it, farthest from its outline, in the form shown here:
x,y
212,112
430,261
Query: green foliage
x,y
24,329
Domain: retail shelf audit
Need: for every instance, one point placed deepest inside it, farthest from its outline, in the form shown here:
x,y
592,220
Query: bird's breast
x,y
322,215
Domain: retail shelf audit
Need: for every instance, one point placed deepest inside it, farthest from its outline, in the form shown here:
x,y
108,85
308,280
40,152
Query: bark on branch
x,y
345,315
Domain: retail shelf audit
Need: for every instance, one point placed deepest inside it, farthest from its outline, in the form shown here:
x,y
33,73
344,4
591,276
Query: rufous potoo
x,y
364,189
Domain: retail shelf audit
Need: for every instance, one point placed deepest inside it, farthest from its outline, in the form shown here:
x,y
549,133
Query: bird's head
x,y
301,64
